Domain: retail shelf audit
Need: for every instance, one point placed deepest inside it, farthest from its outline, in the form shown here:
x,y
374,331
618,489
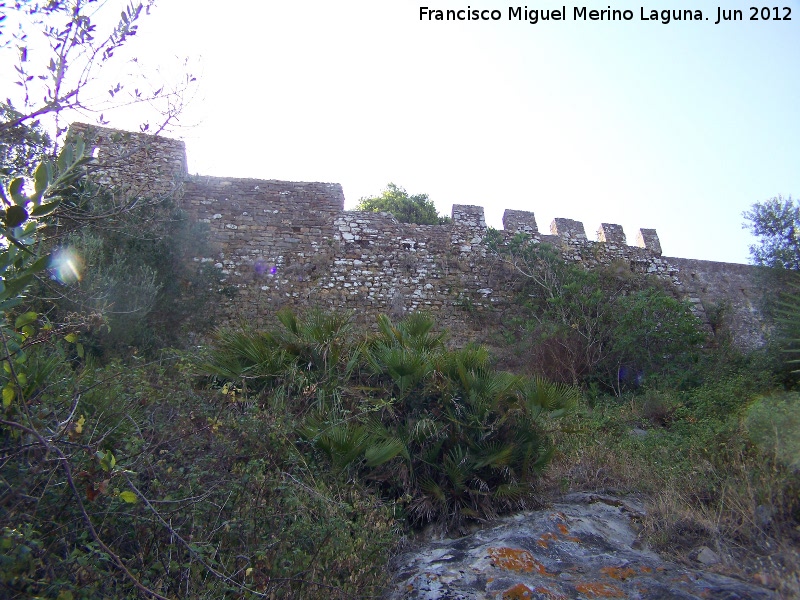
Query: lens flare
x,y
66,266
262,268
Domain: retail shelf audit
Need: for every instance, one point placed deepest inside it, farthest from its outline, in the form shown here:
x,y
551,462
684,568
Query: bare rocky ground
x,y
584,547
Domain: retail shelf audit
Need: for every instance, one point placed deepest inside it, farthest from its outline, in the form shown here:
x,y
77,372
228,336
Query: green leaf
x,y
9,304
128,497
80,147
14,287
8,395
41,179
383,452
107,460
43,210
79,350
15,216
15,189
65,158
25,319
71,337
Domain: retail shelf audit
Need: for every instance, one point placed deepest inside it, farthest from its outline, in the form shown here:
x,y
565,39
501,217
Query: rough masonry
x,y
279,243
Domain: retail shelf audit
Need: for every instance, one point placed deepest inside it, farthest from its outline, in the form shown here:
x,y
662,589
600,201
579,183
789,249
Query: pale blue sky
x,y
676,127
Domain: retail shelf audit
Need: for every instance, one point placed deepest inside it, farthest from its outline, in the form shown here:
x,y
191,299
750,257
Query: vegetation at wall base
x,y
119,479
607,326
438,432
714,465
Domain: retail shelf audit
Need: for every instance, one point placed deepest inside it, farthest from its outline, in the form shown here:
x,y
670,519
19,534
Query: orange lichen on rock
x,y
550,594
600,590
518,592
562,528
618,572
545,538
514,559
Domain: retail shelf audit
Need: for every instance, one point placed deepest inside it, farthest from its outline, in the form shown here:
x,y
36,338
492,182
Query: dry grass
x,y
741,502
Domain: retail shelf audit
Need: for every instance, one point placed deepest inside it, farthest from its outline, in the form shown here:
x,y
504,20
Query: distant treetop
x,y
394,199
776,222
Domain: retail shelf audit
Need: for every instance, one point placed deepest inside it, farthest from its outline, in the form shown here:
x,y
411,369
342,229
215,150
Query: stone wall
x,y
140,164
279,243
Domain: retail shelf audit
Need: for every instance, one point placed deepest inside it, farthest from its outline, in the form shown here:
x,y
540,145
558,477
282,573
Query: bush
x,y
119,481
605,325
129,262
198,501
773,424
438,431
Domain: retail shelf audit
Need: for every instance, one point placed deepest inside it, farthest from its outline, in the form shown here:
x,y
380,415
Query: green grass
x,y
708,465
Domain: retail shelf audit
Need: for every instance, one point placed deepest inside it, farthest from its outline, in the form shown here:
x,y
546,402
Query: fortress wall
x,y
138,164
731,295
279,243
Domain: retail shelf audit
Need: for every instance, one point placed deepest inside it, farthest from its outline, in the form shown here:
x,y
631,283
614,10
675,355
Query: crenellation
x,y
609,233
278,243
648,238
469,216
569,231
520,221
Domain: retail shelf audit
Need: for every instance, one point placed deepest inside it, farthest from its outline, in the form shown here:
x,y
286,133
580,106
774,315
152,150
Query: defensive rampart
x,y
280,243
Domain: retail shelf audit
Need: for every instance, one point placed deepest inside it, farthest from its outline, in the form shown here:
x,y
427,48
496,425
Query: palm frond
x,y
382,452
542,396
493,455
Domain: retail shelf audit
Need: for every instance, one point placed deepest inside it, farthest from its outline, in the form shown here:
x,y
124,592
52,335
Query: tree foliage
x,y
62,47
394,199
126,246
787,313
607,325
20,146
777,223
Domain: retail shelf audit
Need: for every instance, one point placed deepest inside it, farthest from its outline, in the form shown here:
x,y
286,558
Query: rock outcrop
x,y
584,547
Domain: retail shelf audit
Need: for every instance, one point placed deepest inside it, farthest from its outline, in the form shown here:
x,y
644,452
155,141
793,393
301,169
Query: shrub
x,y
607,325
773,424
439,431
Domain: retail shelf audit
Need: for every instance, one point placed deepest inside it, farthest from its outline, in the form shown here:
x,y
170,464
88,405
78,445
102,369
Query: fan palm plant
x,y
308,354
463,442
404,352
439,430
